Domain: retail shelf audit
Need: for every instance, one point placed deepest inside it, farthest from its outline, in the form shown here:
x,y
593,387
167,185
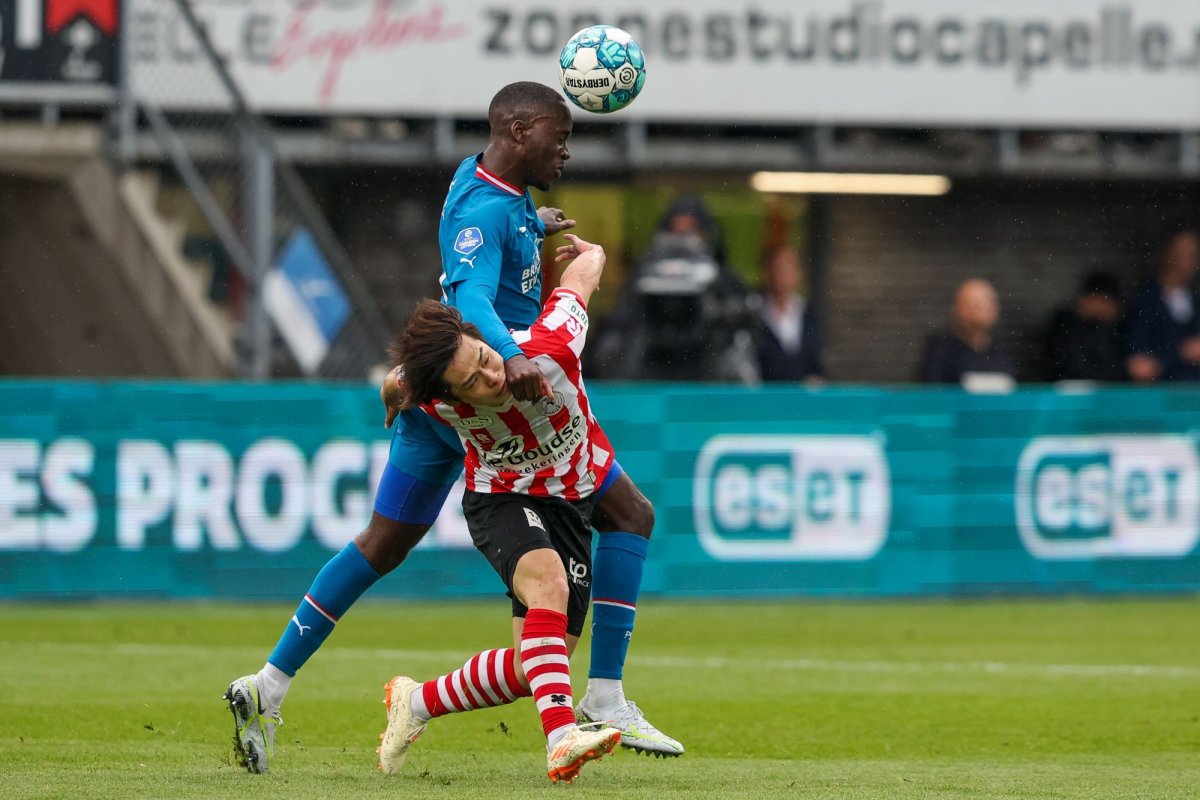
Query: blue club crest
x,y
469,240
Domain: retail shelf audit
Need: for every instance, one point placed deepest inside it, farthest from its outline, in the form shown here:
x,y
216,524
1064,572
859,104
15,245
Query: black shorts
x,y
505,527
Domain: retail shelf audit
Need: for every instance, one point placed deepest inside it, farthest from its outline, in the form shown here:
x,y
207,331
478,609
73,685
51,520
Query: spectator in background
x,y
689,216
683,315
1084,340
1164,329
788,345
970,346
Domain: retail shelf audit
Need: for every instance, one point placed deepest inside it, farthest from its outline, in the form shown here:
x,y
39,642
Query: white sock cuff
x,y
273,686
604,694
555,736
416,701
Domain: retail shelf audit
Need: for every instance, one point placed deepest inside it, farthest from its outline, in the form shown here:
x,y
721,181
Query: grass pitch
x,y
1003,699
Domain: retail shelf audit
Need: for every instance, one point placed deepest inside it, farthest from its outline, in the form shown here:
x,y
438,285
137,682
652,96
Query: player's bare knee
x,y
548,590
635,515
642,519
387,542
624,508
539,580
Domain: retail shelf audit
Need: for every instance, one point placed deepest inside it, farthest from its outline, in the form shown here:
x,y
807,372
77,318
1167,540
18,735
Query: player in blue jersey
x,y
490,236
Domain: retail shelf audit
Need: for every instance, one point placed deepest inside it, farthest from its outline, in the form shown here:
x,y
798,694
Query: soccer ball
x,y
602,69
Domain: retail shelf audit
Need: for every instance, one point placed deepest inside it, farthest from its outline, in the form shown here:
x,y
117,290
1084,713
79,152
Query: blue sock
x,y
337,586
616,580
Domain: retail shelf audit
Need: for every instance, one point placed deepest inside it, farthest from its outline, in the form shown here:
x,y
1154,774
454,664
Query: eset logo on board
x,y
792,498
1117,496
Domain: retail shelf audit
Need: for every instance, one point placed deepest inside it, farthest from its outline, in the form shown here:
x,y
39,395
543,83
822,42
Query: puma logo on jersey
x,y
468,261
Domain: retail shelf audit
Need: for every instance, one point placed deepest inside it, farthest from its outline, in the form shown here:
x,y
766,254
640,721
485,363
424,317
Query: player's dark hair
x,y
524,100
425,348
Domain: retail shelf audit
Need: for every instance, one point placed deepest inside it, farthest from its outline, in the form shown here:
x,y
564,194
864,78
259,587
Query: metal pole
x,y
126,110
259,207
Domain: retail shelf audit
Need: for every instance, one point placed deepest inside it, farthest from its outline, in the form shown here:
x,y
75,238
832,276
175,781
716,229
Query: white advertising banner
x,y
792,498
1119,496
1092,63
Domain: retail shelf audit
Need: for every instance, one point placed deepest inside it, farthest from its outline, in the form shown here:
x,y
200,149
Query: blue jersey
x,y
490,239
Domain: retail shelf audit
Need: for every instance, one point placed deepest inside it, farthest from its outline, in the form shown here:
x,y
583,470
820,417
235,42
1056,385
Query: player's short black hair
x,y
525,100
425,348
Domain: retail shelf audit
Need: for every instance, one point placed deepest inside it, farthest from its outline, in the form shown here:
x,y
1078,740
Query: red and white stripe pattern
x,y
496,180
547,668
308,599
539,448
488,679
606,601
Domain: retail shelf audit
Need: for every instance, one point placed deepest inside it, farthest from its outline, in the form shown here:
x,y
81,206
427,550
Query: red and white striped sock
x,y
544,659
488,679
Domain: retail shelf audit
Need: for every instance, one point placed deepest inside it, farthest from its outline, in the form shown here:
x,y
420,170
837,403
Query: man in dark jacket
x,y
789,347
1084,340
970,345
1164,326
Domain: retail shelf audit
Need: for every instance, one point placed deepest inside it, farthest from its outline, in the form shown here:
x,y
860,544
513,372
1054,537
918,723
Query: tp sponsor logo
x,y
792,498
579,573
1108,496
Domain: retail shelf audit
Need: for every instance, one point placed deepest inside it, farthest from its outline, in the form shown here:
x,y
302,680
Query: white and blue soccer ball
x,y
602,69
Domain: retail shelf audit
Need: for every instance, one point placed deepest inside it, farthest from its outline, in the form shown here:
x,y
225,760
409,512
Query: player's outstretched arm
x,y
582,275
523,377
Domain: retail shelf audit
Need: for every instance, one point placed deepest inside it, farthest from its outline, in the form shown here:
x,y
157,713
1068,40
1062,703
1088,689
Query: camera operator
x,y
683,315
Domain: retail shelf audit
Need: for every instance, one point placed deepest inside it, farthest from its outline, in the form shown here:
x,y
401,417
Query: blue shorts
x,y
425,460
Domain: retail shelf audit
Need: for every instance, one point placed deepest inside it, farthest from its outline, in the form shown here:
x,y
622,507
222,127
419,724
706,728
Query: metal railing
x,y
239,203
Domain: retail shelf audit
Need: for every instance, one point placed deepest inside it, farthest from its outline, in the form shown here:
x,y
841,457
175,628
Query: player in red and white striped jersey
x,y
541,448
531,475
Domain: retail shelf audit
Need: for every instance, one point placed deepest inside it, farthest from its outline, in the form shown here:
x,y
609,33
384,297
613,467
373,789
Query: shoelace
x,y
597,725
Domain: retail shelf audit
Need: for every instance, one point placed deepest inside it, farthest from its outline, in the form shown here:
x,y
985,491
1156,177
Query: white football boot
x,y
402,728
637,733
580,745
254,729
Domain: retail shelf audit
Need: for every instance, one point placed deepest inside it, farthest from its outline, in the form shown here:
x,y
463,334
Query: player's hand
x,y
554,220
392,396
573,249
525,380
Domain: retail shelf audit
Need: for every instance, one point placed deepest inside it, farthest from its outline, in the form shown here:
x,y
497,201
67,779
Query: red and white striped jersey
x,y
548,447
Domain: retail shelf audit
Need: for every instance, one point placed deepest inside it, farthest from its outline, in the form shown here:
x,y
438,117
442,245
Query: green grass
x,y
1073,699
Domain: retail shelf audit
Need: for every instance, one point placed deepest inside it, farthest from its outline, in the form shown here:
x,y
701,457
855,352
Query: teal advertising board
x,y
244,490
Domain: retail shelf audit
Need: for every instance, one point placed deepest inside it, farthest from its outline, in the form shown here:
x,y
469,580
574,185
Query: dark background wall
x,y
388,220
895,262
